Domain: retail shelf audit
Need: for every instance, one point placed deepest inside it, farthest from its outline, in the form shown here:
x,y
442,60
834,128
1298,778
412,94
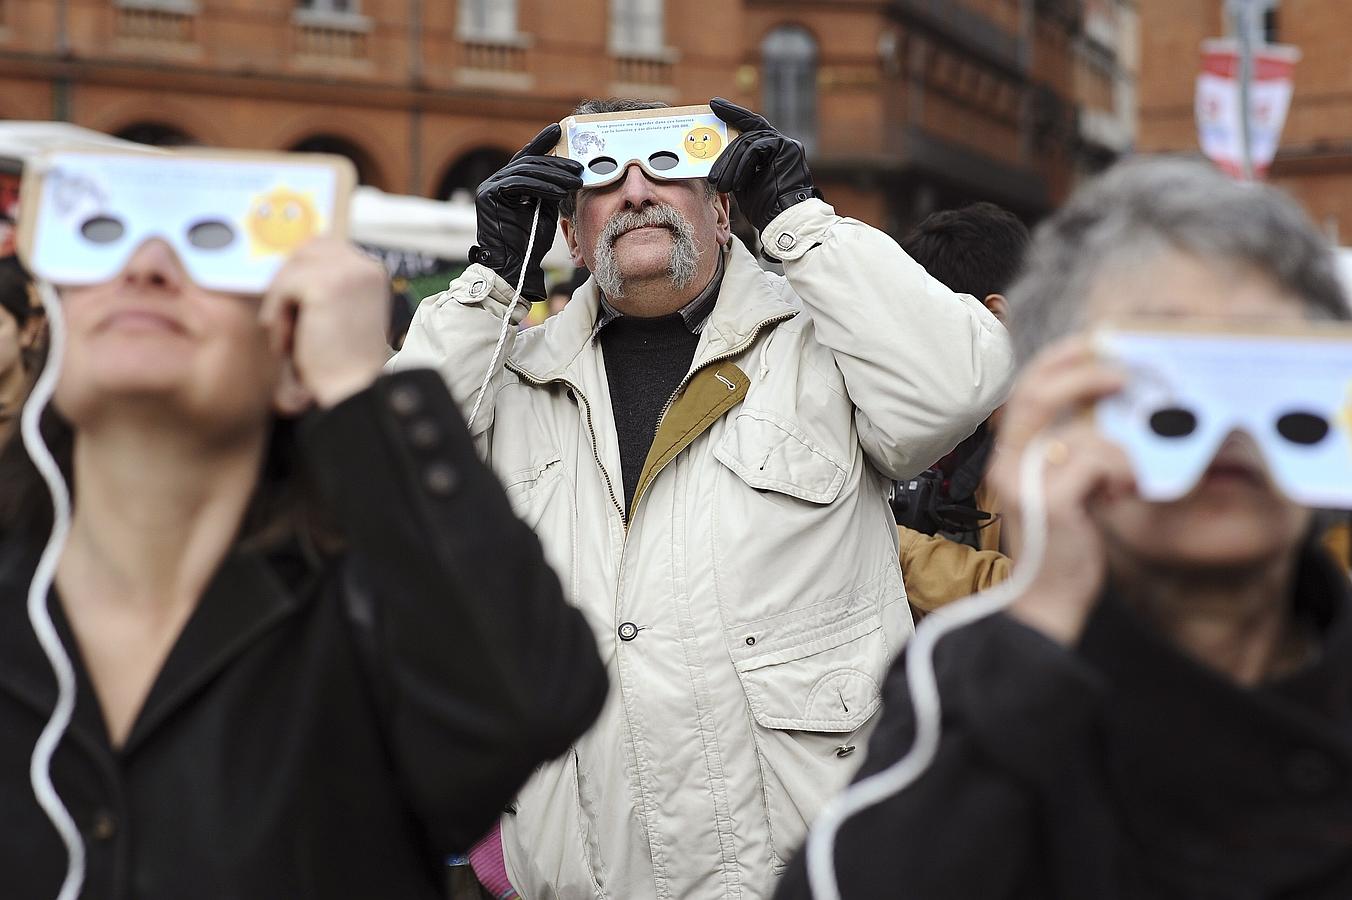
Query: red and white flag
x,y
1219,128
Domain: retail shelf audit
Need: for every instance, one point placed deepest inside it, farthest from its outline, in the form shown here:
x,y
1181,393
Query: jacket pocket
x,y
811,670
529,486
770,453
812,681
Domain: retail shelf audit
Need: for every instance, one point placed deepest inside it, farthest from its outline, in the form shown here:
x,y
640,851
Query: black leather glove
x,y
505,204
765,170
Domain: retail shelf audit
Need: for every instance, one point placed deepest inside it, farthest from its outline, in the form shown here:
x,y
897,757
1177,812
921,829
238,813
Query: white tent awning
x,y
441,228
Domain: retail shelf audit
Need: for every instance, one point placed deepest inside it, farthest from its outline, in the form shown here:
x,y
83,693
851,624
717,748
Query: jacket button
x,y
628,631
404,400
104,826
844,750
440,479
786,242
478,288
424,434
1309,772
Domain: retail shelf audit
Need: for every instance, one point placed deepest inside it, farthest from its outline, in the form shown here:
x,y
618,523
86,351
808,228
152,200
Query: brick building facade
x,y
907,105
1314,160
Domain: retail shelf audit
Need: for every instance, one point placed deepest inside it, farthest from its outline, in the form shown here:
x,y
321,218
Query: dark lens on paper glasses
x,y
663,160
102,230
1303,427
1173,422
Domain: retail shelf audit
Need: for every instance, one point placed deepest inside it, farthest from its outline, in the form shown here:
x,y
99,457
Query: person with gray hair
x,y
1165,712
705,449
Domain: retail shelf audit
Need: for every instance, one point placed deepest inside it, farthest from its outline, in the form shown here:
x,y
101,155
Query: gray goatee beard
x,y
681,270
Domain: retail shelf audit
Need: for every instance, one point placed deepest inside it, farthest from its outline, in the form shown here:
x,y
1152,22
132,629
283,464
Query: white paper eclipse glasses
x,y
1188,390
232,219
668,143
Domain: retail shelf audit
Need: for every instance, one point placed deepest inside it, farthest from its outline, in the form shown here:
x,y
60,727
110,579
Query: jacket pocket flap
x,y
771,454
813,671
532,468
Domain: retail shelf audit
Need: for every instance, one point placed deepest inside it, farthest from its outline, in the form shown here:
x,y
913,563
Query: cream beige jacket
x,y
749,604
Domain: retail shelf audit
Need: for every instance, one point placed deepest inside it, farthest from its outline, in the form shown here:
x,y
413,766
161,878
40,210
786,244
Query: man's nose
x,y
637,188
154,263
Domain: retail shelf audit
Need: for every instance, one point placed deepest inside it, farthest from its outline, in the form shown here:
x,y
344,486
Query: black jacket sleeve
x,y
1017,710
484,670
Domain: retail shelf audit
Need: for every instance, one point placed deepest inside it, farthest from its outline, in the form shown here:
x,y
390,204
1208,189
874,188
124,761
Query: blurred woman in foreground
x,y
314,656
1167,711
20,327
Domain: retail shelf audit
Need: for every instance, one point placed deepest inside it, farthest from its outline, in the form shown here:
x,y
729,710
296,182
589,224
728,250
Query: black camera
x,y
922,504
914,502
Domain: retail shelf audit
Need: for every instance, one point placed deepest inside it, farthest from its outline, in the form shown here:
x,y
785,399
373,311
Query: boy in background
x,y
949,521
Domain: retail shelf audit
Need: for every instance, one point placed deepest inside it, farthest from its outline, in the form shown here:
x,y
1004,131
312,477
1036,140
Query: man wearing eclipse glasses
x,y
705,449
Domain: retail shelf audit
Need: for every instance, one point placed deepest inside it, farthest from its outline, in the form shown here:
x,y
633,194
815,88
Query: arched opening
x,y
789,83
157,134
465,175
367,171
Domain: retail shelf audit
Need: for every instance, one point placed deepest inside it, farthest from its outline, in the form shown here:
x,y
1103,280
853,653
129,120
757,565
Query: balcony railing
x,y
989,29
166,23
490,55
330,37
650,70
494,61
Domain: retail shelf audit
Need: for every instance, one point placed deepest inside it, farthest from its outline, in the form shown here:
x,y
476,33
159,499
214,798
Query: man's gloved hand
x,y
505,204
765,170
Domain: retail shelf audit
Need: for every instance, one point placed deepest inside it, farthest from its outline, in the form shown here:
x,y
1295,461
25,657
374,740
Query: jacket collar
x,y
1120,644
1201,766
248,595
748,298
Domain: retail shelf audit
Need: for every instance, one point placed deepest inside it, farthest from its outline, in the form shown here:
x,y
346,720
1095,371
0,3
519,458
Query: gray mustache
x,y
654,216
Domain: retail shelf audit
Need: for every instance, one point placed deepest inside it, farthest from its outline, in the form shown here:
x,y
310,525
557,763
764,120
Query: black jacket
x,y
1121,770
318,730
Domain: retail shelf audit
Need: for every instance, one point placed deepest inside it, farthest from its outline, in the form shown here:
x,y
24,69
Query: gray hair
x,y
1144,207
568,208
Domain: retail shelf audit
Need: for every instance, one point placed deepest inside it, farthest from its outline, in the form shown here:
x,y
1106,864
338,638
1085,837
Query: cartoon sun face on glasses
x,y
280,221
702,143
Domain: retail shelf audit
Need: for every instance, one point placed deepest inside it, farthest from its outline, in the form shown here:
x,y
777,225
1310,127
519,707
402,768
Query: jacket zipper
x,y
591,430
624,519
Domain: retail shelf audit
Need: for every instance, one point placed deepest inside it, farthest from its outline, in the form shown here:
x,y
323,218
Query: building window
x,y
636,26
338,146
789,83
463,178
487,19
1270,32
348,7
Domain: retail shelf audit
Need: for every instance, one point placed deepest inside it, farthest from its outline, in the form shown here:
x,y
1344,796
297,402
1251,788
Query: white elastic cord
x,y
507,318
923,686
40,767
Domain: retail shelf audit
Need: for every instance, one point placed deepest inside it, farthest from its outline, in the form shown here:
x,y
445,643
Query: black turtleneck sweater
x,y
645,361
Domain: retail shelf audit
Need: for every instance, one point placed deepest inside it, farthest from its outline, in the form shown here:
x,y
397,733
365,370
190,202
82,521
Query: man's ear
x,y
723,224
998,306
574,245
291,397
